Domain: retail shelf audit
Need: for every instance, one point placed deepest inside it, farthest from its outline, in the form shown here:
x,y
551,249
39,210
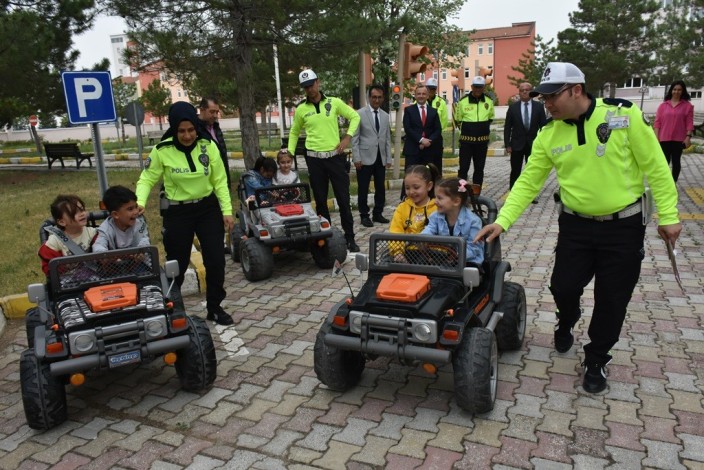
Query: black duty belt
x,y
633,209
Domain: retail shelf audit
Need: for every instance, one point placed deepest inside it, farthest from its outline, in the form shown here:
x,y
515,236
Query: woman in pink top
x,y
674,124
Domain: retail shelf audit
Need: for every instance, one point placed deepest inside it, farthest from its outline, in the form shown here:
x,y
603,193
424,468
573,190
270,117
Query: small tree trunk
x,y
245,91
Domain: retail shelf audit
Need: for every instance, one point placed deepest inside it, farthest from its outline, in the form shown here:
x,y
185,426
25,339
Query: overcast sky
x,y
550,17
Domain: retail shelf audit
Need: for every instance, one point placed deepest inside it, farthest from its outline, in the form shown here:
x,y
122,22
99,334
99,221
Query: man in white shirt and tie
x,y
523,120
371,153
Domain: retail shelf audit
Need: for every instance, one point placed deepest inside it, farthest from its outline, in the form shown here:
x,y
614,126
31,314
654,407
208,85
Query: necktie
x,y
526,117
376,119
422,115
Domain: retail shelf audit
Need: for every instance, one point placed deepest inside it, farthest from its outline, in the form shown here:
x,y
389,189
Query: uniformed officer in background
x,y
601,150
198,200
440,106
473,115
325,151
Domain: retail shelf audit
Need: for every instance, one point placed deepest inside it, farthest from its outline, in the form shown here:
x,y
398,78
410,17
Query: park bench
x,y
66,150
154,135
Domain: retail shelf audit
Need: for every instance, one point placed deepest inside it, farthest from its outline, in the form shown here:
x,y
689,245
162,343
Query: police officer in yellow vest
x,y
325,156
601,149
440,106
473,115
198,199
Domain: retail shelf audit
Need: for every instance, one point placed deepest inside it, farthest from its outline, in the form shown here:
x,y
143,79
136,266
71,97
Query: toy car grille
x,y
418,253
75,311
69,273
284,194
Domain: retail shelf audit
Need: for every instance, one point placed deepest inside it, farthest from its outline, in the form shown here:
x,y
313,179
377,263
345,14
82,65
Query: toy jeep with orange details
x,y
277,219
422,304
102,311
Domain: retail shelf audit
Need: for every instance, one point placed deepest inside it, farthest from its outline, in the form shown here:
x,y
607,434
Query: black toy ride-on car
x,y
277,219
102,311
421,303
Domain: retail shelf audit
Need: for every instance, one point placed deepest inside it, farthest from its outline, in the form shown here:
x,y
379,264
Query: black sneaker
x,y
594,377
381,219
219,316
367,222
564,337
352,246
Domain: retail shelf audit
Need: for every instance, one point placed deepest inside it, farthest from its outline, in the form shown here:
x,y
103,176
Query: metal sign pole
x,y
140,147
399,111
99,162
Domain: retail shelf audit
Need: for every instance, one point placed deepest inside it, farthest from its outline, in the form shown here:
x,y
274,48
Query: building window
x,y
444,74
444,95
435,74
634,82
490,48
695,94
466,72
116,40
179,93
480,48
422,76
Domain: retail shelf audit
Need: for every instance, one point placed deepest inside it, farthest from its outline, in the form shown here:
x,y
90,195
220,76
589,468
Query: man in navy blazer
x,y
420,135
524,118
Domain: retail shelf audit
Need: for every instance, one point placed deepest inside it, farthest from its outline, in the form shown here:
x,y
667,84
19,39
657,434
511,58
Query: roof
x,y
515,30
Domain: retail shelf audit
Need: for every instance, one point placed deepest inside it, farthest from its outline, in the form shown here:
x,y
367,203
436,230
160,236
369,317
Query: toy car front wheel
x,y
475,366
196,365
32,319
335,248
43,395
257,259
512,327
340,370
235,240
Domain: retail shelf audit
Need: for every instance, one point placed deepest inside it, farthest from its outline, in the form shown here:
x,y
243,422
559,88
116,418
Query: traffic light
x,y
396,97
411,65
487,73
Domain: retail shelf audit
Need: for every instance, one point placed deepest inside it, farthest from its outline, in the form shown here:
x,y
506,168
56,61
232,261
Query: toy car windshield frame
x,y
418,254
77,273
284,194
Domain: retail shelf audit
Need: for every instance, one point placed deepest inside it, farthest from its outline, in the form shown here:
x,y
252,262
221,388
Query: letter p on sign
x,y
87,88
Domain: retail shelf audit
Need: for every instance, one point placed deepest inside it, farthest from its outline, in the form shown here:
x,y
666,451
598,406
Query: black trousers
x,y
325,171
673,153
473,153
611,253
204,220
517,159
364,177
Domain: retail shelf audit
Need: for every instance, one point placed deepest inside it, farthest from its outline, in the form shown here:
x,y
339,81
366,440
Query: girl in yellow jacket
x,y
411,216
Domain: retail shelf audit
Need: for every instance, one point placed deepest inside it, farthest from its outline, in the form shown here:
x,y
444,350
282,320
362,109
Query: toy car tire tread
x,y
511,329
235,240
475,367
257,259
340,370
32,320
43,395
335,248
196,365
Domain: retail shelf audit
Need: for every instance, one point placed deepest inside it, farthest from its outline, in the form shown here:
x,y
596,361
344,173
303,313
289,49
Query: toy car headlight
x,y
315,225
422,332
277,231
355,322
84,342
155,328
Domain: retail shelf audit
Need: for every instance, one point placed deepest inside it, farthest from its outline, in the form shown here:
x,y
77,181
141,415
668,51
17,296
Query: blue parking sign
x,y
89,97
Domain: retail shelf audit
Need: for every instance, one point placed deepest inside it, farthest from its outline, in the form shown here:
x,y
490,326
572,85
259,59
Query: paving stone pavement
x,y
267,410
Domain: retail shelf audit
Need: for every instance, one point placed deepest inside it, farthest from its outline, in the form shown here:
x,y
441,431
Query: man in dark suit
x,y
421,123
523,120
209,113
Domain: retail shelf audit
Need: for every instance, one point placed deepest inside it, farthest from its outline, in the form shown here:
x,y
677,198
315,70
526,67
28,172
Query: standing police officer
x,y
473,115
325,155
440,106
601,149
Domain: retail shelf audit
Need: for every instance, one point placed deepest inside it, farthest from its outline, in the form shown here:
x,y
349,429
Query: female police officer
x,y
195,183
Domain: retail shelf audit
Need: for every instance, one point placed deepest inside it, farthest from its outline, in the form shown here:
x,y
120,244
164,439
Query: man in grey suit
x,y
524,118
371,152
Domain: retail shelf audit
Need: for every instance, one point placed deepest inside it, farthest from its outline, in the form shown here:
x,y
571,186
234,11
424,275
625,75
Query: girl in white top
x,y
285,175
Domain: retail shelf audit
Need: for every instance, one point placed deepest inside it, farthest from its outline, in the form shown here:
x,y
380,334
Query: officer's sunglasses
x,y
553,96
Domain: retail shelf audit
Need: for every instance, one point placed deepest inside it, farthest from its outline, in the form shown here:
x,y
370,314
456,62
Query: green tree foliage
x,y
36,44
695,50
610,40
156,99
228,51
123,93
532,63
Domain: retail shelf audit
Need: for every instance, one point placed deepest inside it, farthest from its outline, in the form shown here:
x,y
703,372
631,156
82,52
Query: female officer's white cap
x,y
307,78
431,83
557,75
